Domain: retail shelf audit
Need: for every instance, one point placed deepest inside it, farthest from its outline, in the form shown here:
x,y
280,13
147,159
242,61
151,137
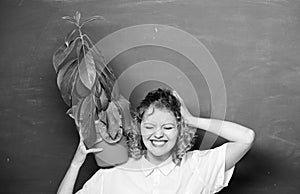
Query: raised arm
x,y
240,137
68,182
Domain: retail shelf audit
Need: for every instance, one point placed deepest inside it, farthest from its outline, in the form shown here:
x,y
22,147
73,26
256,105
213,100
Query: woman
x,y
160,161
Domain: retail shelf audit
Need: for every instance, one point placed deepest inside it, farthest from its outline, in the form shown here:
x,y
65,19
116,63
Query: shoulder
x,y
209,154
210,166
205,160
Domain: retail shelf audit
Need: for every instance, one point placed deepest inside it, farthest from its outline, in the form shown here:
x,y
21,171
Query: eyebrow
x,y
168,123
147,123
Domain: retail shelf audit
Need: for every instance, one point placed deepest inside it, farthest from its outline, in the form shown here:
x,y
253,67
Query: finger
x,y
183,106
94,150
177,95
82,146
174,93
80,134
99,139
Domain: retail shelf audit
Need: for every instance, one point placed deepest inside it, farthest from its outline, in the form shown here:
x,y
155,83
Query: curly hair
x,y
160,99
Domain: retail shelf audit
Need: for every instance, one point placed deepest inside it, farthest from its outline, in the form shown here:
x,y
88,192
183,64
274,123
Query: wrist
x,y
75,165
191,121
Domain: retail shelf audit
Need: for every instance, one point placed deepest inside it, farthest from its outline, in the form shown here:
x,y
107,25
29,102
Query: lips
x,y
158,143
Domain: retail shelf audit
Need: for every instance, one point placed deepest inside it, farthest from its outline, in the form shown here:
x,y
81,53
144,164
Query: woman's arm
x,y
240,138
68,182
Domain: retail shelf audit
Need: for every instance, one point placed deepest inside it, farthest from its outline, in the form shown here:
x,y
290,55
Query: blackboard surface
x,y
255,43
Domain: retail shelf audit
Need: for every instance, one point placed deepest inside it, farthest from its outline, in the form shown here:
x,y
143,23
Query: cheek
x,y
172,135
145,133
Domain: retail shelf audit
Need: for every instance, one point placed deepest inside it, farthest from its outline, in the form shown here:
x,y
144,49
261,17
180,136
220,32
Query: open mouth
x,y
158,143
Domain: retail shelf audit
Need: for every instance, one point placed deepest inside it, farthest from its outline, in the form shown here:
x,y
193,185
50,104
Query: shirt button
x,y
156,177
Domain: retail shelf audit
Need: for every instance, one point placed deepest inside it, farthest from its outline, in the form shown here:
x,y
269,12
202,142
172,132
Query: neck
x,y
156,160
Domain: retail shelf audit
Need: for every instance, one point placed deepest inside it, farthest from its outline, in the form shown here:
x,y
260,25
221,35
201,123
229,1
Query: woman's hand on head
x,y
185,113
81,152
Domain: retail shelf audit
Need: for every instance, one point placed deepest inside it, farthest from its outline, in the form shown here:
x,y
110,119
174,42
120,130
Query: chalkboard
x,y
256,45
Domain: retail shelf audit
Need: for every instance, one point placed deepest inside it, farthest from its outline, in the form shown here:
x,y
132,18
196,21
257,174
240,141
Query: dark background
x,y
255,43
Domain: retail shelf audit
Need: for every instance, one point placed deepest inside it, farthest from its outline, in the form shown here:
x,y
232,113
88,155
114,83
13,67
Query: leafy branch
x,y
87,84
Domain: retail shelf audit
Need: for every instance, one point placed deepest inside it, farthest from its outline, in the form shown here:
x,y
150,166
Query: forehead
x,y
158,115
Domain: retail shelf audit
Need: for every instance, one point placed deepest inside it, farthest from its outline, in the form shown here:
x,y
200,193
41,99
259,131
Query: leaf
x,y
104,99
124,108
108,84
101,65
68,38
113,121
114,134
89,41
87,71
95,51
75,96
77,17
67,83
105,75
80,88
62,72
79,51
99,60
69,19
73,91
97,94
87,121
78,112
82,49
92,19
102,129
61,54
66,17
106,87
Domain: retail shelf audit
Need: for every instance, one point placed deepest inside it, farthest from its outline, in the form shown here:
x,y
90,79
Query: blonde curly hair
x,y
160,99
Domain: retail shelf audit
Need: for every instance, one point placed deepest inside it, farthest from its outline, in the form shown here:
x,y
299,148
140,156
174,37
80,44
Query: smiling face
x,y
159,133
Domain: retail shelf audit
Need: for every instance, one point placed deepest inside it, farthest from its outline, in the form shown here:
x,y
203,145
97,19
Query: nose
x,y
158,134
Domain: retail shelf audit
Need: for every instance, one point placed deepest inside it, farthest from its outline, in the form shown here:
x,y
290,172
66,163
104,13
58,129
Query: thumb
x,y
94,150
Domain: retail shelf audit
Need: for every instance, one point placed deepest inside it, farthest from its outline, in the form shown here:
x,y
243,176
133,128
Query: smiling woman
x,y
160,158
159,133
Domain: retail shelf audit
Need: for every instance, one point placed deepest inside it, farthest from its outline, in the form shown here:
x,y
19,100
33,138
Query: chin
x,y
160,152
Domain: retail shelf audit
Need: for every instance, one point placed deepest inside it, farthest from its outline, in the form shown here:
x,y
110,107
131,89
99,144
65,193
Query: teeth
x,y
158,143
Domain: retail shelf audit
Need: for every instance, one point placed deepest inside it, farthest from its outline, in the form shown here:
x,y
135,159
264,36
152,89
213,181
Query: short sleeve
x,y
94,184
210,165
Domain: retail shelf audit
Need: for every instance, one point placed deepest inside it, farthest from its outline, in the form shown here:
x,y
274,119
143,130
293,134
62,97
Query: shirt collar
x,y
165,168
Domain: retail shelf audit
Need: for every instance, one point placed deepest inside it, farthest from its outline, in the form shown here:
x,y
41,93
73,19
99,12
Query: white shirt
x,y
200,172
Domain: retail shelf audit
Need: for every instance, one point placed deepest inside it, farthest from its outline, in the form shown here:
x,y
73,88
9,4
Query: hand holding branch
x,y
68,182
81,152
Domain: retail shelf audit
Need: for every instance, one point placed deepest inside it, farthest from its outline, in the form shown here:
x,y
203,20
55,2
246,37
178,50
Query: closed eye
x,y
147,127
168,128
